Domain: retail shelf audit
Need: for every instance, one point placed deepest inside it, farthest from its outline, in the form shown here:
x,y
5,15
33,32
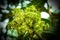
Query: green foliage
x,y
39,4
27,22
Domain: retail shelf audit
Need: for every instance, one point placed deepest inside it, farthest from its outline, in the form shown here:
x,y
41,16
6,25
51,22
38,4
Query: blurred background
x,y
49,9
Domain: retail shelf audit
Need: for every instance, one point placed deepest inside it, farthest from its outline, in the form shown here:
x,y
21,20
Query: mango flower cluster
x,y
27,21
